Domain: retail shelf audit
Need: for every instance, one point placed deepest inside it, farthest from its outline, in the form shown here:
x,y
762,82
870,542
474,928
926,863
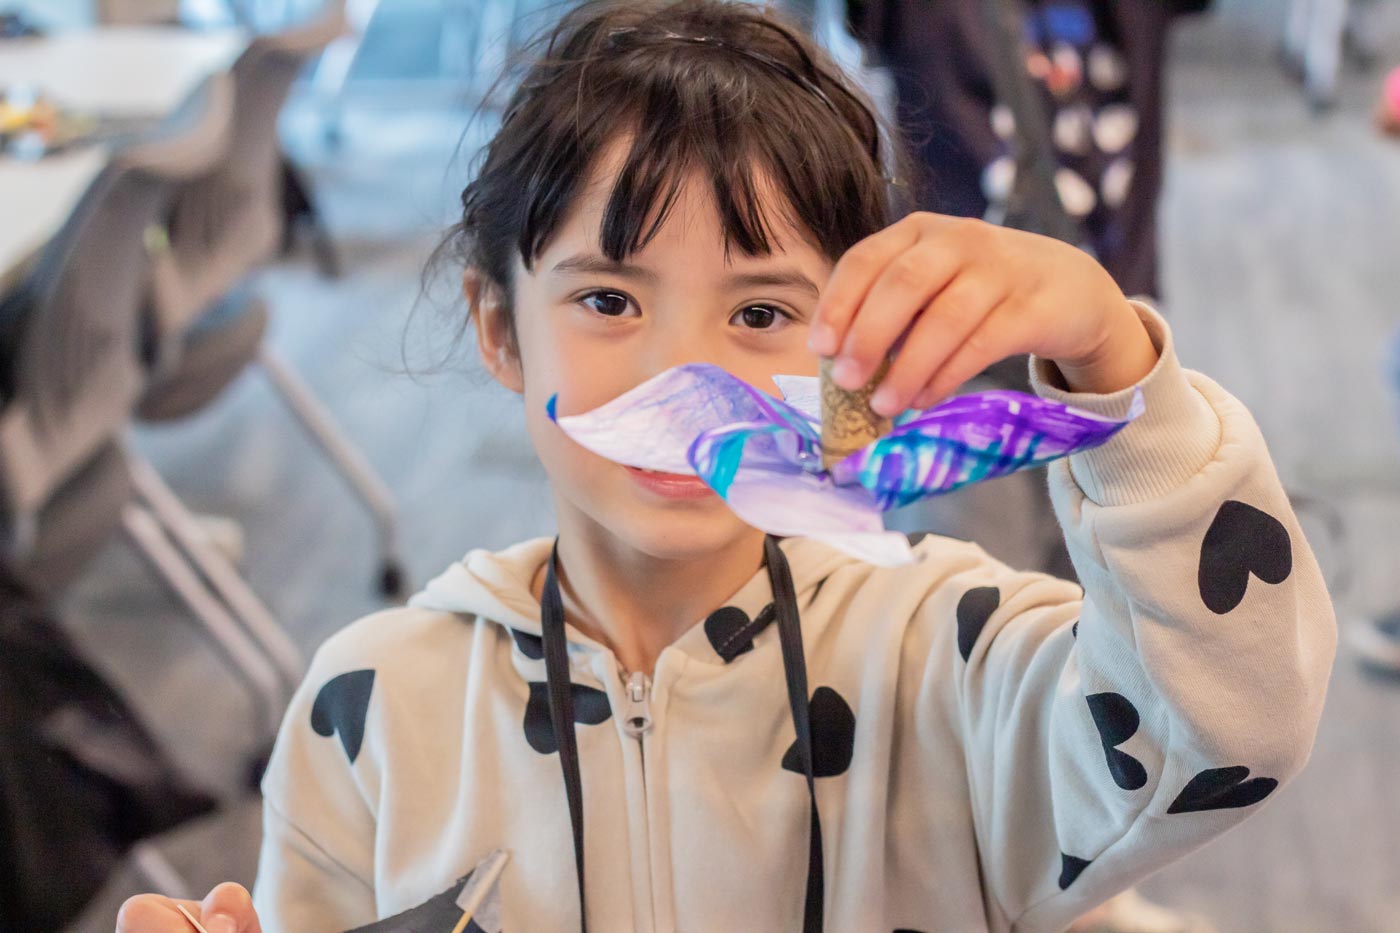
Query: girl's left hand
x,y
958,295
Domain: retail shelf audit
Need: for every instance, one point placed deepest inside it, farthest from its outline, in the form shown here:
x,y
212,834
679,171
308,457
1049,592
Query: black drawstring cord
x,y
795,671
561,714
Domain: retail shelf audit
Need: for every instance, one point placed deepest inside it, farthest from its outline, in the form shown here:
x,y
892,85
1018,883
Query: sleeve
x,y
316,865
1108,737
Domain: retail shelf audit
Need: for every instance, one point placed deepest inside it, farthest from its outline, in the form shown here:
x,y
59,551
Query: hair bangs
x,y
747,134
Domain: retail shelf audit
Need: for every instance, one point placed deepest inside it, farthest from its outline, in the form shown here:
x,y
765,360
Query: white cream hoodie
x,y
995,750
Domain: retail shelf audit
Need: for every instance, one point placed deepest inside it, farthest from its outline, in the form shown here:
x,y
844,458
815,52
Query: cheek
x,y
583,372
758,371
584,375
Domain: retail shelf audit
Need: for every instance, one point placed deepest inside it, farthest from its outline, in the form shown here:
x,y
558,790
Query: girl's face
x,y
590,330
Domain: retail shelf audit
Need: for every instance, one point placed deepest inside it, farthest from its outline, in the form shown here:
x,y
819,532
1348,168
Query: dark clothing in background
x,y
1110,115
80,779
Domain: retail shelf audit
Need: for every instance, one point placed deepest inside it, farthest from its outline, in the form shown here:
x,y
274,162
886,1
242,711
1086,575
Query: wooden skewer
x,y
190,917
477,889
848,424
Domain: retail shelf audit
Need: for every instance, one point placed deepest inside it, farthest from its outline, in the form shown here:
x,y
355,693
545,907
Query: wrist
x,y
1122,359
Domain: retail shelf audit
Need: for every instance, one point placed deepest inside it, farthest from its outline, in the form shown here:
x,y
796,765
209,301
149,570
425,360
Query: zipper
x,y
636,720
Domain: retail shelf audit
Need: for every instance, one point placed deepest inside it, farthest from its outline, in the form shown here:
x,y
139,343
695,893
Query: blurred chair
x,y
207,325
76,362
138,12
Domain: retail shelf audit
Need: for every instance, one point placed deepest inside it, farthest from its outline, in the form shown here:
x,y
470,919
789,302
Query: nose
x,y
681,344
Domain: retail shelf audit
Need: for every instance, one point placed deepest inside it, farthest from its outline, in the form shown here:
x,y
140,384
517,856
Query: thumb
x,y
229,909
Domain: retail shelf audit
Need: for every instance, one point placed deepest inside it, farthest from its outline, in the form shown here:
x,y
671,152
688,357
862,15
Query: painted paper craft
x,y
471,905
763,455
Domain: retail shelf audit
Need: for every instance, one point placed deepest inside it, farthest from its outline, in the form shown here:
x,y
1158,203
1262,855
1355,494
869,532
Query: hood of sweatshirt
x,y
495,586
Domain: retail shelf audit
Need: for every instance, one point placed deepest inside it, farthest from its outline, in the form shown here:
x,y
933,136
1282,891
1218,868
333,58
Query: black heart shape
x,y
1117,721
1071,868
833,735
1240,541
731,631
974,609
590,708
437,913
1222,789
532,646
341,706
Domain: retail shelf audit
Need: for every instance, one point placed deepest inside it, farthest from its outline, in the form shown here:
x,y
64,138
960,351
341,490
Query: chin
x,y
686,535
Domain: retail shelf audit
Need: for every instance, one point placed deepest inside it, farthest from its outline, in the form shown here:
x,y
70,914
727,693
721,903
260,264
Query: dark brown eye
x,y
758,317
608,303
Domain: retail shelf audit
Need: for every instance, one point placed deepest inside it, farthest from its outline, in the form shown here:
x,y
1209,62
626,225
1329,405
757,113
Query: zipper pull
x,y
637,720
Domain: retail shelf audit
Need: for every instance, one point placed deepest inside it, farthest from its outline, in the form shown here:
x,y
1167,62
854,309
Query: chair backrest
x,y
75,366
229,221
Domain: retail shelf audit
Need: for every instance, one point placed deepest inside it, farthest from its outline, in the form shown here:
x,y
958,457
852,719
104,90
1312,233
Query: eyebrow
x,y
789,278
602,265
590,264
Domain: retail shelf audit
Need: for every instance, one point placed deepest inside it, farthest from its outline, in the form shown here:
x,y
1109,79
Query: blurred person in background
x,y
1388,104
1319,37
1377,640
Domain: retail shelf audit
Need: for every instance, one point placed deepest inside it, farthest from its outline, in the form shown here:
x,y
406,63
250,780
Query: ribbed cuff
x,y
1170,442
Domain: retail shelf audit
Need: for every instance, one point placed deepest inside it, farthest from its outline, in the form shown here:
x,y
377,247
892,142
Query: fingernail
x,y
822,340
846,373
220,923
884,401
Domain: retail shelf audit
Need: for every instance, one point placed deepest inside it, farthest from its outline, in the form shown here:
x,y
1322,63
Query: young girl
x,y
676,723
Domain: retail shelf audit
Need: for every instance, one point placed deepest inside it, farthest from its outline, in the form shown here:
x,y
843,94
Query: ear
x,y
493,330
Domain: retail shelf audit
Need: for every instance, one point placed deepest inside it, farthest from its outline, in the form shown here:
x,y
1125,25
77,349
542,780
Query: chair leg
x,y
150,541
183,528
298,207
347,459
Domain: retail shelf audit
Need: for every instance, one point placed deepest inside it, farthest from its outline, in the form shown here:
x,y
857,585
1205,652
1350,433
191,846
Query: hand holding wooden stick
x,y
848,423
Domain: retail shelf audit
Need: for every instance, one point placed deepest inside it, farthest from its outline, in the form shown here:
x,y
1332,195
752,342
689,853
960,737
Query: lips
x,y
670,485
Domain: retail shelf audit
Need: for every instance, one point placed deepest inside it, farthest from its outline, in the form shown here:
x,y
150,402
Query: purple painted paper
x,y
763,455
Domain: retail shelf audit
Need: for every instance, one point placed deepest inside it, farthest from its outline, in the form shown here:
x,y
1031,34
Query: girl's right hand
x,y
226,909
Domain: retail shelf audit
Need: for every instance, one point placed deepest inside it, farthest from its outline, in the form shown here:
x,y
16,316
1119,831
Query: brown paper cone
x,y
848,424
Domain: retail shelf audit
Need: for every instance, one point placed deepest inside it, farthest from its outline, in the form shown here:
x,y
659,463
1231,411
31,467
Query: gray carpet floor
x,y
1281,278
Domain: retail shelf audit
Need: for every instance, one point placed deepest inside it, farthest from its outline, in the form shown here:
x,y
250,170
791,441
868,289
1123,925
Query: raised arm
x,y
1109,737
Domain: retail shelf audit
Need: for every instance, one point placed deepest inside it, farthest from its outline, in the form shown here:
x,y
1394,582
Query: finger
x,y
1001,335
908,283
940,330
229,909
855,272
152,913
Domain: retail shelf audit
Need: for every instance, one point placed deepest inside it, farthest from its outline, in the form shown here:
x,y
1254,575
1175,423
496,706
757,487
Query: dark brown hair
x,y
722,88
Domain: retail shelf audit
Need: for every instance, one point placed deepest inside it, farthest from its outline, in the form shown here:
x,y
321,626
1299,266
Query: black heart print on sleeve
x,y
1117,721
1241,541
1222,789
974,609
340,709
1071,868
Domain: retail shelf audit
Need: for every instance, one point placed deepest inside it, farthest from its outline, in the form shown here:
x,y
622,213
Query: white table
x,y
127,72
